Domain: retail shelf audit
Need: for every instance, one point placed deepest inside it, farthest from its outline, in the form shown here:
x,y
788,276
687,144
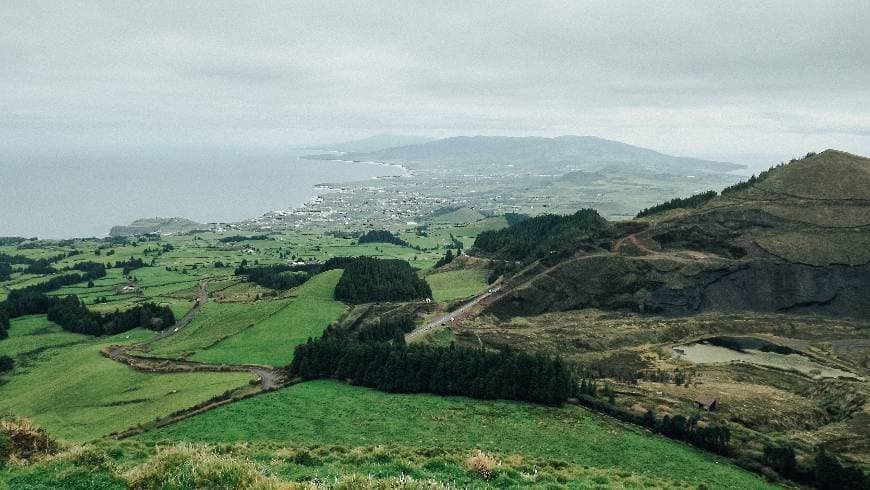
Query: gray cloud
x,y
704,77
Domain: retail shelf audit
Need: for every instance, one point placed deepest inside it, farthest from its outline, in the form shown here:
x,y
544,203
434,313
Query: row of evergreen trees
x,y
538,236
242,238
448,258
691,202
399,368
367,279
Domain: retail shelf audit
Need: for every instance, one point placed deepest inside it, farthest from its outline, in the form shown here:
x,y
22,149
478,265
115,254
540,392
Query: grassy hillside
x,y
456,284
271,341
353,416
63,383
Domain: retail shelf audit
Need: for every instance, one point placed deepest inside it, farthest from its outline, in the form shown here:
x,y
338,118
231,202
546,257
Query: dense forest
x,y
691,202
367,279
399,368
538,236
381,236
277,276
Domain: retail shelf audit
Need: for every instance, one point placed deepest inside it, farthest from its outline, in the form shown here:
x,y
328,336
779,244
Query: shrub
x,y
482,463
20,439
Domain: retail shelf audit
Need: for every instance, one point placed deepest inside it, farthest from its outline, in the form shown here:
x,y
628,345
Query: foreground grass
x,y
63,383
329,413
272,340
112,465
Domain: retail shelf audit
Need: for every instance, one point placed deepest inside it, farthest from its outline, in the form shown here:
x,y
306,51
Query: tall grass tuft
x,y
188,466
482,463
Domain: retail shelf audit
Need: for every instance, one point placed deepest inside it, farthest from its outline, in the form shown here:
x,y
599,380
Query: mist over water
x,y
83,192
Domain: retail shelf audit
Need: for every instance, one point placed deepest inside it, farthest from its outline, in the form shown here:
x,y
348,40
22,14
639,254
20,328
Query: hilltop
x,y
795,239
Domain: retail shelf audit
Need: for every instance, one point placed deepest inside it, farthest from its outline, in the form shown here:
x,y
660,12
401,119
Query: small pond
x,y
755,351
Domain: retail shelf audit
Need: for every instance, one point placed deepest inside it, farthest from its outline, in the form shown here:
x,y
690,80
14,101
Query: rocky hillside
x,y
796,239
156,225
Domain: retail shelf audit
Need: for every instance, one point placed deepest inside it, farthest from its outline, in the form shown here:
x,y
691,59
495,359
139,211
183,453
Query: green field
x,y
63,384
271,341
329,413
215,322
457,284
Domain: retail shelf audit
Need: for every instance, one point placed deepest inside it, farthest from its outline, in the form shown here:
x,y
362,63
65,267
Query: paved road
x,y
453,316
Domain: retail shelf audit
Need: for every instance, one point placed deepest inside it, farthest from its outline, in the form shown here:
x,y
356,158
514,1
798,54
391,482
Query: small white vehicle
x,y
175,330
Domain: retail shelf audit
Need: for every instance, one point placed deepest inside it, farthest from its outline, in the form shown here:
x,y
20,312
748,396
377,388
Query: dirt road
x,y
268,377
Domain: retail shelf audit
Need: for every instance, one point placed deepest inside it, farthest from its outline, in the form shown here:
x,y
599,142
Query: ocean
x,y
75,192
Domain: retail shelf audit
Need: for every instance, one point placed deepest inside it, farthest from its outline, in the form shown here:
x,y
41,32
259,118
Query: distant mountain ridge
x,y
571,153
373,143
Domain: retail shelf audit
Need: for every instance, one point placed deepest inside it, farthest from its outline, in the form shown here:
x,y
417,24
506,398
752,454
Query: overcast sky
x,y
695,78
